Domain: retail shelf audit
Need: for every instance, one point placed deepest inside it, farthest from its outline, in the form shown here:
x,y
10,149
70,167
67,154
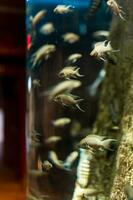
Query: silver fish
x,y
54,158
34,20
70,159
128,190
63,9
116,8
68,100
74,57
47,28
101,33
96,142
64,86
36,83
70,72
52,139
101,48
43,52
70,37
61,122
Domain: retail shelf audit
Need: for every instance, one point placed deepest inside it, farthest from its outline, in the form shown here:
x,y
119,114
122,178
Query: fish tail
x,y
107,143
77,105
120,15
77,72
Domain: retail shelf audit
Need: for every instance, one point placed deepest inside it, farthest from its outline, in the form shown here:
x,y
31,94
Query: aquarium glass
x,y
64,78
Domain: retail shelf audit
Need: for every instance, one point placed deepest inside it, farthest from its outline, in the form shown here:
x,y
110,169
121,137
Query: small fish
x,y
64,86
74,57
68,100
101,48
96,142
116,9
70,72
34,20
55,160
70,37
47,28
128,190
70,159
52,139
101,33
61,122
63,9
36,83
43,52
75,128
46,166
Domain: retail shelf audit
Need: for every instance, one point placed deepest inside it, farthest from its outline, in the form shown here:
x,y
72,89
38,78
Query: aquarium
x,y
65,72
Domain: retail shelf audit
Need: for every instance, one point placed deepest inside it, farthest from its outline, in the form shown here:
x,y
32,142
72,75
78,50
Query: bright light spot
x,y
1,126
29,84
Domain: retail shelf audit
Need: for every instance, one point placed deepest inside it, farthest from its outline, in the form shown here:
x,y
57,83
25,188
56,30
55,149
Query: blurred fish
x,y
61,122
46,165
70,37
96,142
128,190
101,48
47,28
70,72
63,9
43,52
68,100
92,89
65,165
70,159
101,33
64,86
74,57
55,160
34,20
116,8
75,128
36,83
53,139
93,8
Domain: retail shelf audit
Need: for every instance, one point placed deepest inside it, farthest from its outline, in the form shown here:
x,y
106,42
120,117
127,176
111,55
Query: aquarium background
x,y
59,183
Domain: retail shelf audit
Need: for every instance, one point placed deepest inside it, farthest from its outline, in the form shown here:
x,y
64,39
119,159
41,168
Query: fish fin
x,y
79,100
120,15
77,72
106,143
79,108
101,58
